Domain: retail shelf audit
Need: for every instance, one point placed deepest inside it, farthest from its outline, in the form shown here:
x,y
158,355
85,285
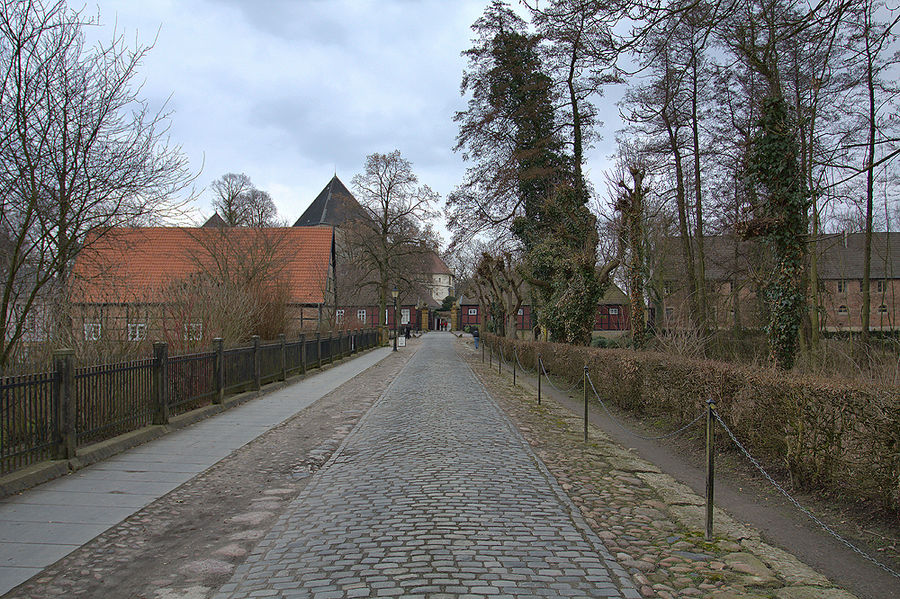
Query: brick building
x,y
163,282
737,270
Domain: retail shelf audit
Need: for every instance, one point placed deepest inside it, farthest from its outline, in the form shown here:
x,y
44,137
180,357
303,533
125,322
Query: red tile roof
x,y
137,265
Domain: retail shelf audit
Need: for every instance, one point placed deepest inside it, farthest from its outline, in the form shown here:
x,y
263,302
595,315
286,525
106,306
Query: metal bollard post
x,y
584,384
491,357
710,465
540,366
515,357
499,358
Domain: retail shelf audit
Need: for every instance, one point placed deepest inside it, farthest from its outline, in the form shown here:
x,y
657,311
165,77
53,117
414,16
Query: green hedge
x,y
828,435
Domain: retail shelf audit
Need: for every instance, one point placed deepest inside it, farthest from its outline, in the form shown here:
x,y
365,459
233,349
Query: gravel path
x,y
434,493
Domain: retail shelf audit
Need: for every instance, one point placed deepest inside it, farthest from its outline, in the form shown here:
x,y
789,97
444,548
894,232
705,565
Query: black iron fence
x,y
49,415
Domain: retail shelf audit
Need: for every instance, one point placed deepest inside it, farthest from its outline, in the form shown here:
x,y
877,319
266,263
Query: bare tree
x,y
501,285
395,234
80,151
240,204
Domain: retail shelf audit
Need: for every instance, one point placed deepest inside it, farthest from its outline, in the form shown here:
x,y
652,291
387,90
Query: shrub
x,y
833,436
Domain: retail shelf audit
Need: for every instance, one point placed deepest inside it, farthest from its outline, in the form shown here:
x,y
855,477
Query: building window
x,y
137,332
339,315
668,287
670,313
473,311
841,286
879,286
404,315
613,311
92,331
521,311
361,316
843,310
193,331
882,309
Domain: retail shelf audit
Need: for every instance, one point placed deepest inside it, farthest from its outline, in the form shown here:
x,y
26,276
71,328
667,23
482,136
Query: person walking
x,y
475,336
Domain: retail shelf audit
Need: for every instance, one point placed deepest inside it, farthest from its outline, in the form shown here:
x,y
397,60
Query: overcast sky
x,y
291,92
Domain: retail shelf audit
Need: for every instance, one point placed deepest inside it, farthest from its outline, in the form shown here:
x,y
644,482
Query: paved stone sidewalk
x,y
434,494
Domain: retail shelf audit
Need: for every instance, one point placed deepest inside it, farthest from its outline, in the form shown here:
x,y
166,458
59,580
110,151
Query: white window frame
x,y
613,311
404,315
473,311
841,286
843,310
92,331
137,331
193,331
339,315
361,315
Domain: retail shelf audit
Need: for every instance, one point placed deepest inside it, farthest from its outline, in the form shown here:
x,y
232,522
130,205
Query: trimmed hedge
x,y
828,435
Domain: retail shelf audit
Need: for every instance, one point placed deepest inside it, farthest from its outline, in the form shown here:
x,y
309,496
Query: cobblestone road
x,y
434,494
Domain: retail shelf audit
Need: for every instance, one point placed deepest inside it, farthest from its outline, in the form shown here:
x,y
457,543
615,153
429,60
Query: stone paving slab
x,y
31,540
433,494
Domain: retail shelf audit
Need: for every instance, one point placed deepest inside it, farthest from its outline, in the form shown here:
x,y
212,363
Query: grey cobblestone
x,y
434,493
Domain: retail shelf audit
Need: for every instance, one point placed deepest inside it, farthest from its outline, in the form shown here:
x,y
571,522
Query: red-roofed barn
x,y
173,283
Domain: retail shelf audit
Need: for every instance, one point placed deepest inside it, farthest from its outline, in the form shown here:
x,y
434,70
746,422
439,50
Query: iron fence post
x,y
331,347
319,349
499,357
161,380
515,358
303,353
584,384
219,370
282,339
540,365
710,465
64,404
257,379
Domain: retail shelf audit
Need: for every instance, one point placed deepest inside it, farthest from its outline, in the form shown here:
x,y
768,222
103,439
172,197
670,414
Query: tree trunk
x,y
702,307
870,184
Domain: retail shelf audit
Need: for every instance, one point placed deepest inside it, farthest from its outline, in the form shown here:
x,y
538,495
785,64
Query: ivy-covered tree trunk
x,y
779,217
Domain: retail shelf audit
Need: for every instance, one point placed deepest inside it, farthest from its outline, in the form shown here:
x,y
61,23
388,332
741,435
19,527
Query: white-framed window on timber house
x,y
613,311
361,316
843,310
137,331
339,315
193,331
473,311
92,331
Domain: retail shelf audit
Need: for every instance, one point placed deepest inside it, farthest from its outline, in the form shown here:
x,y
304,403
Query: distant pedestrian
x,y
475,337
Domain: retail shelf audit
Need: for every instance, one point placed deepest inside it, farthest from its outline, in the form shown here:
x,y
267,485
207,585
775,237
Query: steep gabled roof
x,y
435,265
140,265
840,256
215,221
334,206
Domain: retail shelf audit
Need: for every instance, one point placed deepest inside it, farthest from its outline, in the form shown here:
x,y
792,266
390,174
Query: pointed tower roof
x,y
215,221
334,206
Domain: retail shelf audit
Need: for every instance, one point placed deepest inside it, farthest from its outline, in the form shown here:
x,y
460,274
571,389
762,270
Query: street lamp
x,y
394,293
